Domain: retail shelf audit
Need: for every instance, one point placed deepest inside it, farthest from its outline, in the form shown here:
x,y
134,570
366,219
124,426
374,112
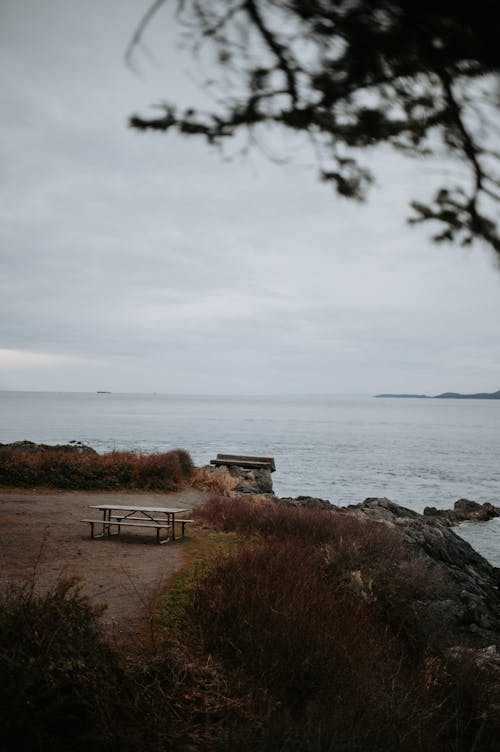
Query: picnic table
x,y
116,516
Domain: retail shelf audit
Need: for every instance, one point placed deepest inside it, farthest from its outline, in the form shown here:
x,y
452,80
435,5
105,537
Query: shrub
x,y
350,540
63,688
466,698
57,672
362,558
166,471
261,517
310,649
186,462
158,472
330,617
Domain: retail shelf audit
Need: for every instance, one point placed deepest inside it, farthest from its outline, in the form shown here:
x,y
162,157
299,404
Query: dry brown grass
x,y
216,481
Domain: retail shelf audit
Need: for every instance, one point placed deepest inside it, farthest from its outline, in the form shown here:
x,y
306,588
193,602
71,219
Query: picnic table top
x,y
138,508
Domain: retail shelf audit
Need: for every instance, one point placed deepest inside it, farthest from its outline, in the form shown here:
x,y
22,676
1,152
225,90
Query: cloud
x,y
24,359
151,263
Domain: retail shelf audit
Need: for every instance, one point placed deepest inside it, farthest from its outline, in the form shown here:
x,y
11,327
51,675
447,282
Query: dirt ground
x,y
42,540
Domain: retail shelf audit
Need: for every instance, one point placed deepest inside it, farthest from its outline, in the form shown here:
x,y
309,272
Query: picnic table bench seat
x,y
182,523
137,522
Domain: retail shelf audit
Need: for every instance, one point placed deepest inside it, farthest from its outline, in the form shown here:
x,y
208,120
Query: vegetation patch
x,y
167,471
215,480
57,671
172,629
286,631
329,619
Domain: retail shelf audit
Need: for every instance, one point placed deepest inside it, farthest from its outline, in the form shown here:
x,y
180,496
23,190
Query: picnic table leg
x,y
106,519
104,523
92,530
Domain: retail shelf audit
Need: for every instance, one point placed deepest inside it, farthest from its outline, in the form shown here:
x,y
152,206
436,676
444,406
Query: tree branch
x,y
141,26
278,49
469,147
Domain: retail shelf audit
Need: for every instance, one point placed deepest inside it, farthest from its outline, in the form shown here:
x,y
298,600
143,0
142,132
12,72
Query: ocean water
x,y
415,452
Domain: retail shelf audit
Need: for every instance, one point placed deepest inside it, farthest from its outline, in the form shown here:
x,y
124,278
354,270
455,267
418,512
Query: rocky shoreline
x,y
470,605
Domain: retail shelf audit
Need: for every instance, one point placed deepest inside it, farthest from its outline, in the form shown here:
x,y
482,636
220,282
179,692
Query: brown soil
x,y
43,540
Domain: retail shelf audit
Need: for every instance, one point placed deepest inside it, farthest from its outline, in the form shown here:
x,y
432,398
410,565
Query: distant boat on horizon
x,y
103,391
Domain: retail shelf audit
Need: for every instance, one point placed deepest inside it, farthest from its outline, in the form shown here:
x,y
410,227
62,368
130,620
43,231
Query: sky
x,y
145,262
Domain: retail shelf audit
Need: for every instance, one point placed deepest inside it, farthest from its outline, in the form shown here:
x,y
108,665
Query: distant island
x,y
446,395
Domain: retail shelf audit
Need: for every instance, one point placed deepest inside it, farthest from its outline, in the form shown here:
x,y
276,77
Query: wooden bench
x,y
107,524
246,461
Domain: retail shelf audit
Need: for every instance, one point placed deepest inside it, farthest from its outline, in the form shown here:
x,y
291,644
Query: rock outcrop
x,y
250,480
464,510
253,480
74,447
472,605
303,502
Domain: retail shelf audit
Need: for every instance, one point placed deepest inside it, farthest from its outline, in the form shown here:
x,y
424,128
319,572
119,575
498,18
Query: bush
x,y
260,517
327,616
166,471
310,649
362,558
64,689
186,462
57,672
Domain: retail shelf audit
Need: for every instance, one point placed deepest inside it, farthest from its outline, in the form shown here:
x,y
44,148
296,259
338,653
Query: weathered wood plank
x,y
241,463
240,459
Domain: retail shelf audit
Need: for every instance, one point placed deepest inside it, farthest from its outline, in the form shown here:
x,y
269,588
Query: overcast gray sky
x,y
145,262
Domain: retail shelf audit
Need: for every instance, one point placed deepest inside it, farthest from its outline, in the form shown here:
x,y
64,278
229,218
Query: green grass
x,y
201,547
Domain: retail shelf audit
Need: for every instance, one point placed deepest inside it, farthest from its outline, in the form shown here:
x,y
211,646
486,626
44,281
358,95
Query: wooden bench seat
x,y
244,460
107,524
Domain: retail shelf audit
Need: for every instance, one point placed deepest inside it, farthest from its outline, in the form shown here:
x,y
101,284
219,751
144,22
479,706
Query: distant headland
x,y
446,395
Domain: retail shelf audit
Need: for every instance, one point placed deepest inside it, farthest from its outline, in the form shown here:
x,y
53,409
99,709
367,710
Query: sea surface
x,y
416,452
